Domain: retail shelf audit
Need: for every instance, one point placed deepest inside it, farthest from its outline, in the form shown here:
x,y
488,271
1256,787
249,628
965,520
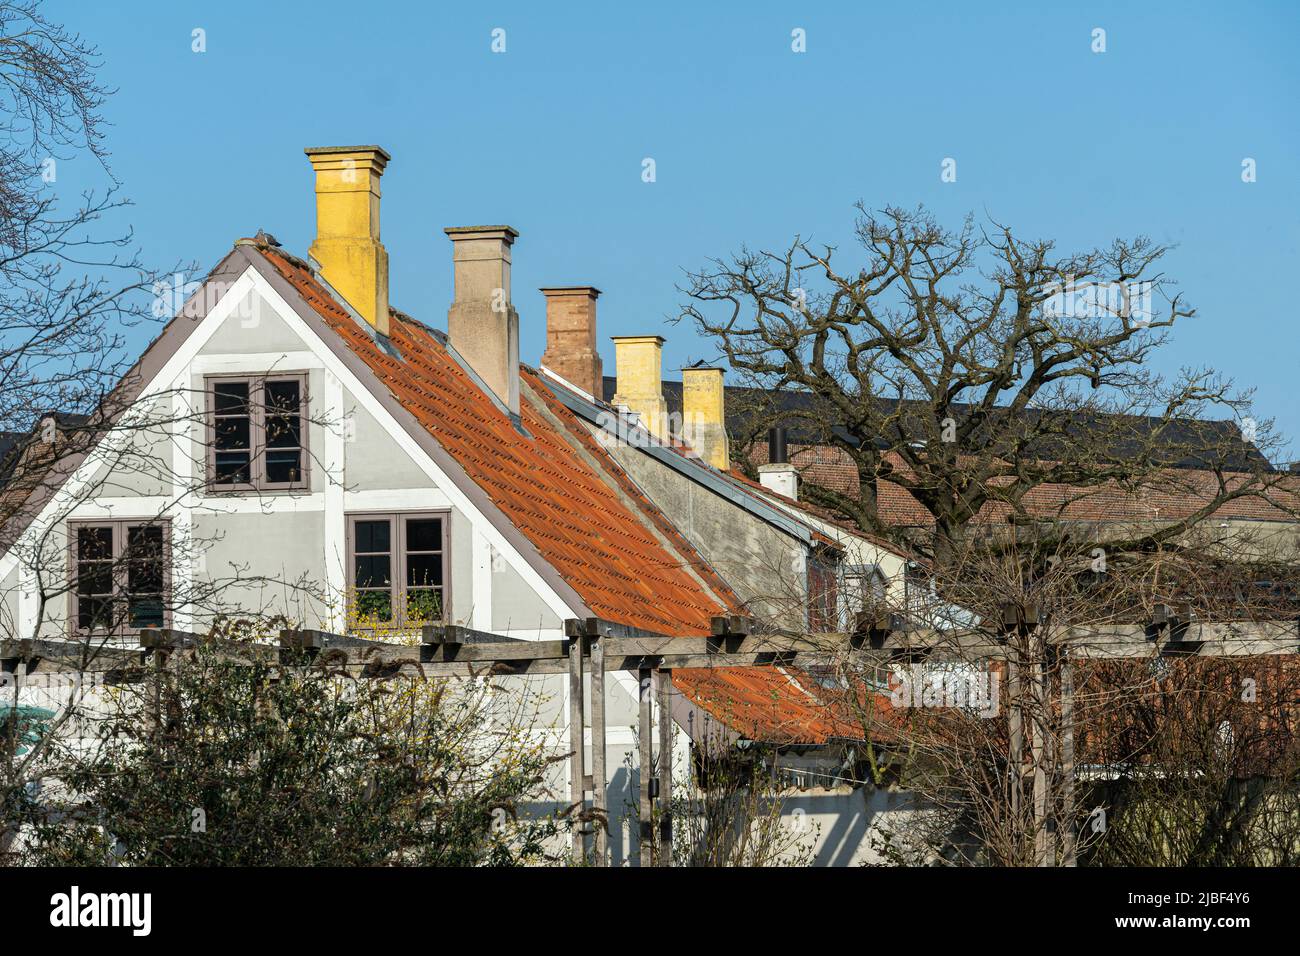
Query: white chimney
x,y
781,478
779,475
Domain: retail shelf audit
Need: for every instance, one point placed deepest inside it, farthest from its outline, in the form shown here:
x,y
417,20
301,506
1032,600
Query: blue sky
x,y
752,142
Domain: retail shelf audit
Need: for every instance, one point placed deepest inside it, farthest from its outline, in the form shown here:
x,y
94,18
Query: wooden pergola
x,y
596,647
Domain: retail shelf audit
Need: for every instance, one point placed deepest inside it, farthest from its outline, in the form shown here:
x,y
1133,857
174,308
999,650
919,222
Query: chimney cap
x,y
590,290
508,233
322,150
702,366
633,339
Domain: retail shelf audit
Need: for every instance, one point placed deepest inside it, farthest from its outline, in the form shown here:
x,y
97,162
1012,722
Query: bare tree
x,y
973,368
70,288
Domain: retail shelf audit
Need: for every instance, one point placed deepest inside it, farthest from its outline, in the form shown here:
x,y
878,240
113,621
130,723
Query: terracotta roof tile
x,y
769,704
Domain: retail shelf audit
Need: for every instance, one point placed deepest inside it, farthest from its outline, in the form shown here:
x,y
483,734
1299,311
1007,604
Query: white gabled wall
x,y
252,329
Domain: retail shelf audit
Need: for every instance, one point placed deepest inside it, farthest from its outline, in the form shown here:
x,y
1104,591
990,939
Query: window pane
x,y
372,536
94,543
145,612
144,577
423,570
423,605
375,604
283,432
424,534
230,433
94,577
373,571
281,397
282,466
144,541
231,467
230,398
95,613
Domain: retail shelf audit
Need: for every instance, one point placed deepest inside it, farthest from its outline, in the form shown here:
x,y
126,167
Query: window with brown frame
x,y
823,590
257,433
119,576
396,567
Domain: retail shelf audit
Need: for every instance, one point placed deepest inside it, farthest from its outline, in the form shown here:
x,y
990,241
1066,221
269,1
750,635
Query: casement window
x,y
257,433
397,569
119,579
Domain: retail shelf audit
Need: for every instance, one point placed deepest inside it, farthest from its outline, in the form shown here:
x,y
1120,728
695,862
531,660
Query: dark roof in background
x,y
8,442
12,442
1205,435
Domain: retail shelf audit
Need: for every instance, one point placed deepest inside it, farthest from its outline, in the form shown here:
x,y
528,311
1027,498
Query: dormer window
x,y
257,434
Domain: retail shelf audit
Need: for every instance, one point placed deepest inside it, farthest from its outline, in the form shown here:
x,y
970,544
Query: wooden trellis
x,y
600,646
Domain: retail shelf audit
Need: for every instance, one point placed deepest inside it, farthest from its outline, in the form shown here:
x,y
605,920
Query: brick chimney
x,y
347,246
571,337
482,324
639,366
703,409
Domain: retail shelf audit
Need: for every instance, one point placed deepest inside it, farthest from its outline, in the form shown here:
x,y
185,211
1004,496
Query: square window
x,y
230,398
95,543
120,572
256,432
377,605
373,571
282,397
232,433
232,468
423,606
397,570
94,577
283,467
423,570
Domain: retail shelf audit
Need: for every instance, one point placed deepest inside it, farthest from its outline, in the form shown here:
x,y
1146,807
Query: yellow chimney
x,y
347,245
639,361
703,408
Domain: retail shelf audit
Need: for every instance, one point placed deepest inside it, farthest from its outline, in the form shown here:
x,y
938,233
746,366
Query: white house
x,y
292,447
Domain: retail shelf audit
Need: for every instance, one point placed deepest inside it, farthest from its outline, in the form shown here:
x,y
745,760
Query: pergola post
x,y
665,767
577,790
599,798
645,699
1069,839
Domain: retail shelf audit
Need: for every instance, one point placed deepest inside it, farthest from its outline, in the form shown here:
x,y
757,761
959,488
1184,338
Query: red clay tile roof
x,y
768,704
575,517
